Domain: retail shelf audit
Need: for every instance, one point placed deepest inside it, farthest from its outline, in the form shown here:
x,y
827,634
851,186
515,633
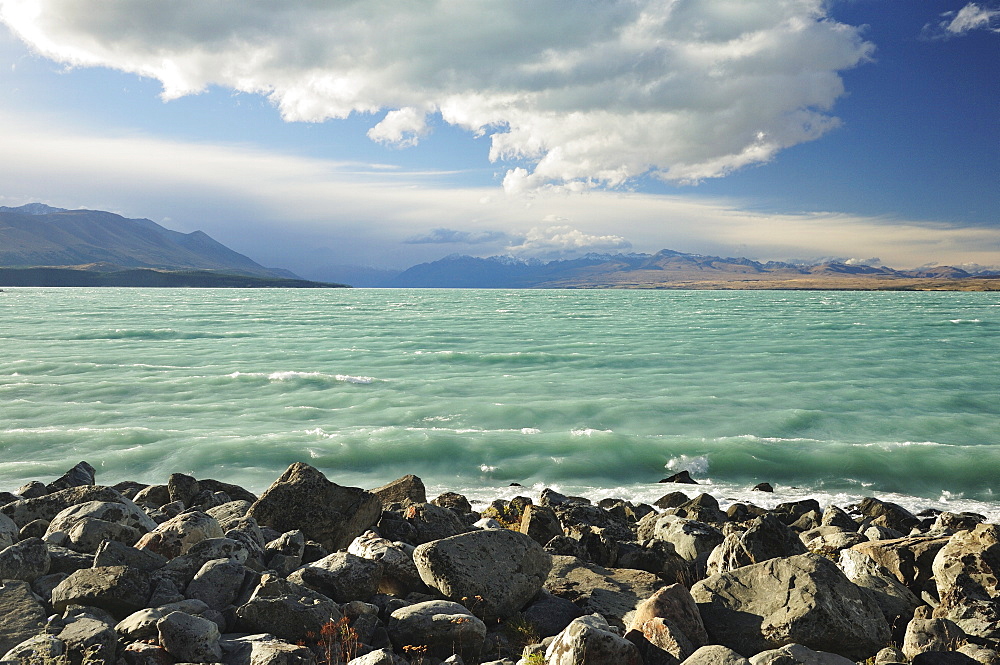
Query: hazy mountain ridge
x,y
39,235
665,269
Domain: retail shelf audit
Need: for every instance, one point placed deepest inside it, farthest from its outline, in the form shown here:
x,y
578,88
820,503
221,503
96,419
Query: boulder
x,y
48,506
834,516
399,572
953,522
702,508
691,539
341,576
893,598
37,649
88,637
909,559
180,570
495,572
680,477
797,654
23,616
286,610
119,590
803,599
218,583
767,537
590,640
931,635
969,563
675,605
454,501
113,553
551,614
613,593
302,498
284,554
379,657
540,524
790,512
406,490
179,534
189,639
125,514
79,476
26,560
182,488
141,625
830,539
430,522
9,531
886,513
715,654
228,513
438,628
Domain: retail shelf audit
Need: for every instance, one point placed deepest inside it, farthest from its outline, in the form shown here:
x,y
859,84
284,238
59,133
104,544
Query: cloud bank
x,y
571,93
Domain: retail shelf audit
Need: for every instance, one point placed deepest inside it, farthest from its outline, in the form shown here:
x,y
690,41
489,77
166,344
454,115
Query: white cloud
x,y
241,196
570,95
443,236
552,242
970,17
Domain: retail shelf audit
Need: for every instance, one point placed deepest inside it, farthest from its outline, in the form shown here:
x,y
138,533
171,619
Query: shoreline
x,y
202,570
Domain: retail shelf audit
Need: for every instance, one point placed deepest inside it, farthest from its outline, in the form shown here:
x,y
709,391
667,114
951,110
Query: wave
x,y
157,334
305,376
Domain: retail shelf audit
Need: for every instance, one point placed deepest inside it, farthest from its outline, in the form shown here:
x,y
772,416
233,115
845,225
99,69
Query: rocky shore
x,y
203,571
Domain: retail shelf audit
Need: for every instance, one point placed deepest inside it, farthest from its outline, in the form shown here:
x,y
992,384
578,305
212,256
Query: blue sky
x,y
310,135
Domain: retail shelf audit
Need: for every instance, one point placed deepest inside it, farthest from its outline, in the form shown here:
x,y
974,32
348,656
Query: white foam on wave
x,y
293,375
588,431
696,464
959,321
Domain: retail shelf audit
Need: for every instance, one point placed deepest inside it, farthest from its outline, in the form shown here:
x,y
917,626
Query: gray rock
x,y
303,498
141,625
182,488
803,599
895,600
540,524
440,627
406,490
88,534
284,553
611,592
886,513
229,512
834,516
496,573
691,539
830,539
218,583
277,652
767,537
87,636
953,522
551,614
379,657
287,610
48,506
889,655
26,560
113,553
909,559
454,501
9,531
590,640
796,654
702,508
969,563
23,616
117,512
341,576
432,522
118,589
874,532
674,604
179,534
37,649
80,475
153,496
399,572
931,635
182,569
189,639
715,654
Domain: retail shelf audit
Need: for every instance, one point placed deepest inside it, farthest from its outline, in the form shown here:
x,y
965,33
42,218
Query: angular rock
x,y
551,614
791,511
113,553
613,593
286,610
189,639
590,640
931,635
893,598
438,628
540,524
399,572
680,477
454,501
87,637
284,554
830,539
674,604
153,496
179,534
715,654
119,590
9,531
23,616
692,540
969,563
432,522
124,514
886,513
302,498
341,576
229,512
766,538
26,560
182,488
406,490
909,559
218,584
495,572
380,657
37,649
80,475
48,506
834,516
803,599
957,521
702,508
796,654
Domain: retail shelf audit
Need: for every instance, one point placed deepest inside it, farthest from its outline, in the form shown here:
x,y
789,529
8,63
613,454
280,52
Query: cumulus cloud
x,y
447,236
552,242
570,94
970,17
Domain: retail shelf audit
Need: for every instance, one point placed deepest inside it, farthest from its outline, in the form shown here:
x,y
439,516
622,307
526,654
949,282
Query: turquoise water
x,y
603,392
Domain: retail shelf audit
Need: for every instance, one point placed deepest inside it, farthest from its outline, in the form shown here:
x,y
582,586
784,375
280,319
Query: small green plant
x,y
536,659
521,631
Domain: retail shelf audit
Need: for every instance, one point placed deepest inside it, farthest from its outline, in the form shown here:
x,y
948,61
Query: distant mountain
x,y
148,277
672,269
39,235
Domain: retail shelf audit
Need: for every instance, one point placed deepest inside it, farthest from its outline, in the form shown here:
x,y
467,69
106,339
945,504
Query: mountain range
x,y
39,235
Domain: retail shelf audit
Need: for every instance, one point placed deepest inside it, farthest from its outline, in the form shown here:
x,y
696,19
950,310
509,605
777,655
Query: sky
x,y
312,135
